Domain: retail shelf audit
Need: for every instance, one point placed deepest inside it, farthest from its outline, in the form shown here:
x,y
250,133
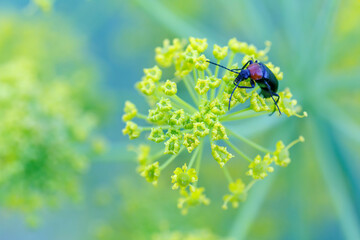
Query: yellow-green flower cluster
x,y
192,198
238,194
151,173
180,124
259,168
130,111
288,105
282,155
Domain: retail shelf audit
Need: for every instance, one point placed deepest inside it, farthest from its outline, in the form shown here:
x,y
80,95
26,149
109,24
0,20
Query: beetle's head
x,y
245,73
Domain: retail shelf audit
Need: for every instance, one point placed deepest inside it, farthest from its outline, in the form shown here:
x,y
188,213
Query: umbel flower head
x,y
184,124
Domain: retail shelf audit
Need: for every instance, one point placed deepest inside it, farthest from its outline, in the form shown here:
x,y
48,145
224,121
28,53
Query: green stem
x,y
198,160
165,164
202,73
244,117
191,89
334,178
195,75
156,156
249,142
192,160
186,130
204,97
142,116
250,209
217,69
292,144
183,103
238,150
227,174
209,72
221,89
231,58
234,113
223,84
248,187
212,94
155,126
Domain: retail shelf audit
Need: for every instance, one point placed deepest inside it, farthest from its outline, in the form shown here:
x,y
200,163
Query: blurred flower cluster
x,y
44,5
46,125
180,125
194,235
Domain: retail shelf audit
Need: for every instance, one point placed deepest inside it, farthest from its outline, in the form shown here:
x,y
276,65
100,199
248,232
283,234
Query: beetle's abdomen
x,y
256,71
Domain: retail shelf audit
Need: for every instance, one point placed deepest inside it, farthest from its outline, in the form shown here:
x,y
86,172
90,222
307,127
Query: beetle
x,y
258,73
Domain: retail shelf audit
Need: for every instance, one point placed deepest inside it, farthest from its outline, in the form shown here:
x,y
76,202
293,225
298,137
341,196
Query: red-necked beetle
x,y
259,73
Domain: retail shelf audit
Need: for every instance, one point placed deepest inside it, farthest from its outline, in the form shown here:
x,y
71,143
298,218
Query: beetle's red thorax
x,y
256,72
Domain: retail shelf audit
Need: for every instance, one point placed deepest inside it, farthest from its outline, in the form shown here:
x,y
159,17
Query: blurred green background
x,y
98,49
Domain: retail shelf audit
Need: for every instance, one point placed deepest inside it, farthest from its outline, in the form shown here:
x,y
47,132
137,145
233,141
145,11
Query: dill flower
x,y
169,88
238,194
132,130
172,146
220,52
151,173
202,86
182,124
191,141
183,177
157,135
282,155
259,168
130,111
220,154
194,197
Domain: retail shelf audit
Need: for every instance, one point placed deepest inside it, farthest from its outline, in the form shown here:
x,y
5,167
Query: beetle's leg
x,y
277,100
277,95
237,86
272,96
245,65
252,84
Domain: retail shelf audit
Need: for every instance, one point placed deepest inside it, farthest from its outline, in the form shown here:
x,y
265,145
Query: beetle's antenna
x,y
233,93
222,66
